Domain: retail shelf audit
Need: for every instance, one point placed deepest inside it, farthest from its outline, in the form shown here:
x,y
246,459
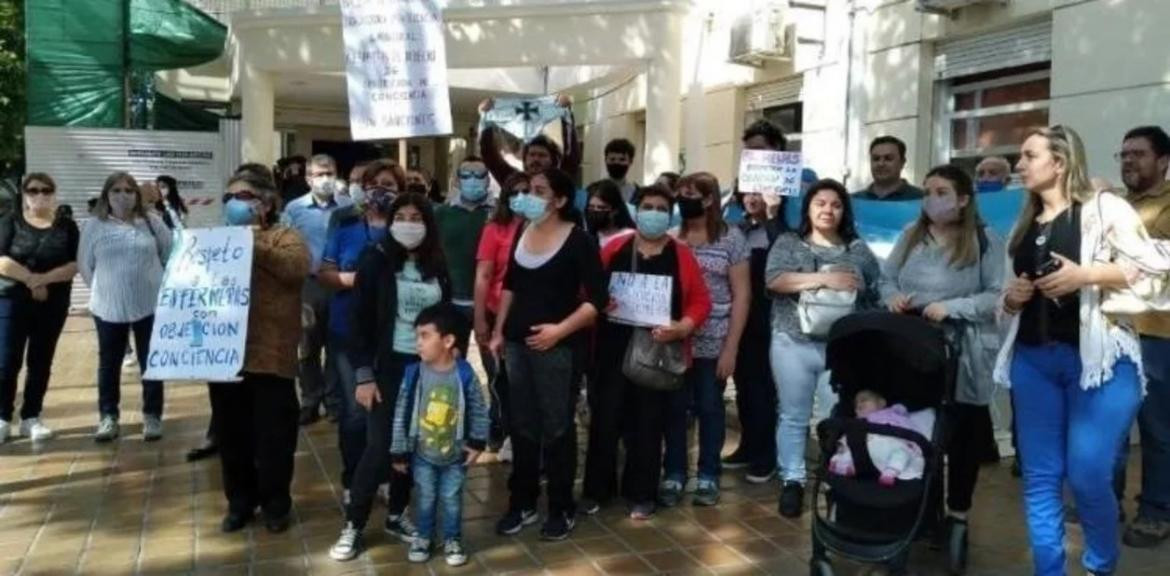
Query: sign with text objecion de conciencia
x,y
201,319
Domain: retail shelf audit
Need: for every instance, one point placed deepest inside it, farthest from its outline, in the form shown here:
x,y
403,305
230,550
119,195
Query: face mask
x,y
690,208
516,204
941,210
597,219
409,234
381,202
617,171
357,193
238,213
982,186
473,190
652,224
323,187
534,208
121,204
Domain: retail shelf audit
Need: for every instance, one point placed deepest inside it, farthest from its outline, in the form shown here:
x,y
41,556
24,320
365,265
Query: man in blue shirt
x,y
887,158
310,215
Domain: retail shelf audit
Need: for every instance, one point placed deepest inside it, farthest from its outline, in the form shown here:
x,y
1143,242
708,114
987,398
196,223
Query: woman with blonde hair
x,y
1075,373
121,257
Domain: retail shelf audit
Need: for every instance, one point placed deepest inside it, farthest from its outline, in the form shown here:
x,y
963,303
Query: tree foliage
x,y
12,87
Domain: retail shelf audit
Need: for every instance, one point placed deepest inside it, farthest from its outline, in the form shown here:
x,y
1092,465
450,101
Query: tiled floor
x,y
72,507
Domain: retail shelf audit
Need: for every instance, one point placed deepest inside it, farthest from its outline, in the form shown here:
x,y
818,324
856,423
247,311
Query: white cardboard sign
x,y
770,172
640,299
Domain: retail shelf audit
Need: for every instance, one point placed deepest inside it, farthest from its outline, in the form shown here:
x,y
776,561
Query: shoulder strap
x,y
633,256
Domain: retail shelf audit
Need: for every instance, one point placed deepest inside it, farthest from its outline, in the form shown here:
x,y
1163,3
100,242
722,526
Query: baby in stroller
x,y
895,458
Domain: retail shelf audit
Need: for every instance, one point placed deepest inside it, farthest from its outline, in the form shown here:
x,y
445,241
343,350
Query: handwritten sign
x,y
201,319
770,172
640,299
395,68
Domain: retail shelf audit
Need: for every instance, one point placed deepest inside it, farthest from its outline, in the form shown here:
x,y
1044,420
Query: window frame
x,y
946,93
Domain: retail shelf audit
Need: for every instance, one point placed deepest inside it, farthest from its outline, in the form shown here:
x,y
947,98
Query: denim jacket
x,y
471,429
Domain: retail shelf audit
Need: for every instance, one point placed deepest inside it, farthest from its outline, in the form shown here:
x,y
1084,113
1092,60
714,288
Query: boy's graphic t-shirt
x,y
439,416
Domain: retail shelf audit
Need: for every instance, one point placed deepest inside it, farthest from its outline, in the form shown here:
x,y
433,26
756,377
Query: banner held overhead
x,y
395,68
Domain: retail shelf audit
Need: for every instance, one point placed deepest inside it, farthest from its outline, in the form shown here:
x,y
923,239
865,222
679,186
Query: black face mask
x,y
690,208
597,220
617,171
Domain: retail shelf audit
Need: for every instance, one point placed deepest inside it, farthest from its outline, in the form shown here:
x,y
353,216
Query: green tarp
x,y
79,53
170,114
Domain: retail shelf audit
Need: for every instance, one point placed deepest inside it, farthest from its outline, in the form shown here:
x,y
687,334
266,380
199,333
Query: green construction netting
x,y
78,53
170,114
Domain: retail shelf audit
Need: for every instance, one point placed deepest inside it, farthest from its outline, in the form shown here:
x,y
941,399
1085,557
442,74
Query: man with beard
x,y
1145,156
539,154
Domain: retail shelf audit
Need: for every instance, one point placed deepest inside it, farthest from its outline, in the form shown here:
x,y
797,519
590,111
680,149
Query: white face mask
x,y
323,187
357,193
121,204
409,234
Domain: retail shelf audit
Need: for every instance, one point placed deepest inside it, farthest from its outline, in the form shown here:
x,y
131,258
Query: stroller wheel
x,y
957,547
820,567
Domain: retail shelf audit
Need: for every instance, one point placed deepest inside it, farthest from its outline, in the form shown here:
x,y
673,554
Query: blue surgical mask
x,y
473,190
239,213
982,186
516,204
534,208
652,224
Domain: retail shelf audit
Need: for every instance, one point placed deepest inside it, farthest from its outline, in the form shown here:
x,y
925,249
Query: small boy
x,y
441,425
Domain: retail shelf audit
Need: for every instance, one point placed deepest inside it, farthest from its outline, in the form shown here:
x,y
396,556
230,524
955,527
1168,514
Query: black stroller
x,y
908,361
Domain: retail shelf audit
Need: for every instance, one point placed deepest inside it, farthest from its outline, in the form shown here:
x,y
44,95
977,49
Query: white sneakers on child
x,y
152,428
35,430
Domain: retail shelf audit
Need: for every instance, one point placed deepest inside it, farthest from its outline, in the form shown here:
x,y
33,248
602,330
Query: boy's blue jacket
x,y
474,423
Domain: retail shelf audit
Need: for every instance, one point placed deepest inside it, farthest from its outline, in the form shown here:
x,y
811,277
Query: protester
x,y
290,178
440,428
620,408
1145,157
825,252
948,267
669,180
257,417
1075,374
538,154
171,204
355,191
992,174
38,259
495,249
606,214
352,231
396,279
553,289
723,255
755,393
121,256
310,215
619,155
461,224
887,158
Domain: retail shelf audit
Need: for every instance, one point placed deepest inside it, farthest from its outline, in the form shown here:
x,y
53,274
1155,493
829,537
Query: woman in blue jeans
x,y
825,252
723,254
1075,374
123,250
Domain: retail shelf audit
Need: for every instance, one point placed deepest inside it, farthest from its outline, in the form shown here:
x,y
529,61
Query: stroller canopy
x,y
904,358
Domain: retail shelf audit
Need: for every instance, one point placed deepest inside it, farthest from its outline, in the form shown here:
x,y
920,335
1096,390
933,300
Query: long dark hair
x,y
607,191
502,215
429,255
846,229
172,198
562,187
707,185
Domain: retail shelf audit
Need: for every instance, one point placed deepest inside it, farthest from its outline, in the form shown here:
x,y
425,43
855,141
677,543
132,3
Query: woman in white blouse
x,y
121,257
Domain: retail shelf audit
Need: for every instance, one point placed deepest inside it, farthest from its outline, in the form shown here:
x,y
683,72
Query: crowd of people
x,y
368,296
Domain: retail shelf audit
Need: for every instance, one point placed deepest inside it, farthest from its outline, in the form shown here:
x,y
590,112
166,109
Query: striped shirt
x,y
123,266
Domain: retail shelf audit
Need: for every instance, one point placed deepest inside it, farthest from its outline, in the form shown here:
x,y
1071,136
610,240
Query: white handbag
x,y
819,309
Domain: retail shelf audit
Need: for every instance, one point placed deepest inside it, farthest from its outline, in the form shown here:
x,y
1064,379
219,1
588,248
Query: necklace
x,y
1044,233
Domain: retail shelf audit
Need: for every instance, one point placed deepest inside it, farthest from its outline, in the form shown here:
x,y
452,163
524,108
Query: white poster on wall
x,y
395,68
201,318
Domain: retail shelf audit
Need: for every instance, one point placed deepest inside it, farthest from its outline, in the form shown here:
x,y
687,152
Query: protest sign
x,y
395,68
640,299
201,319
770,172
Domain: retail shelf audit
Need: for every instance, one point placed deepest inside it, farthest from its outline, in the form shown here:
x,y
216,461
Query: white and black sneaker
x,y
515,521
348,545
401,527
420,550
558,527
107,430
454,553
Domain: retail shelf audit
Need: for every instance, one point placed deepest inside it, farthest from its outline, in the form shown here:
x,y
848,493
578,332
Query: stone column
x,y
258,111
663,107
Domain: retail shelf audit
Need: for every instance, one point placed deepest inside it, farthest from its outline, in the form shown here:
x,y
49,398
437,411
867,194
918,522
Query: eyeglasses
x,y
244,195
38,191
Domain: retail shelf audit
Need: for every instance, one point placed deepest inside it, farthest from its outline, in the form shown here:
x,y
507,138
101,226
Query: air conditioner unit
x,y
948,6
759,33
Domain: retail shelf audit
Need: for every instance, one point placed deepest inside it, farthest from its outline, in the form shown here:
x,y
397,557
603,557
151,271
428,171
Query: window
x,y
788,118
990,114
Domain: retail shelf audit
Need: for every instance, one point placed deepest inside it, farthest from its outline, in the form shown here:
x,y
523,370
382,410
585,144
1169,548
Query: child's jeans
x,y
438,487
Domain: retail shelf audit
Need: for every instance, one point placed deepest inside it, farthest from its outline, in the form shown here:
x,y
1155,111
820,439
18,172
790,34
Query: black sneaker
x,y
400,527
1146,533
736,460
589,506
515,521
235,521
557,527
792,500
670,493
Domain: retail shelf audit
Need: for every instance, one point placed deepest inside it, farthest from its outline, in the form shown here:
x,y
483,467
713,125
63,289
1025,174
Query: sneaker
x,y
706,493
737,460
558,527
792,500
107,429
760,474
589,506
505,453
670,493
348,545
35,430
515,521
401,527
643,511
1146,532
129,361
235,521
152,428
453,551
420,550
5,431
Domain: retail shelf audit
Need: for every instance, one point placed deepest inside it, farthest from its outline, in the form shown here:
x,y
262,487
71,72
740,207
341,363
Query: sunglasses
x,y
246,196
471,174
38,191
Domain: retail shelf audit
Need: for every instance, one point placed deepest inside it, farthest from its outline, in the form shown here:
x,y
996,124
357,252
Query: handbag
x,y
648,363
818,309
